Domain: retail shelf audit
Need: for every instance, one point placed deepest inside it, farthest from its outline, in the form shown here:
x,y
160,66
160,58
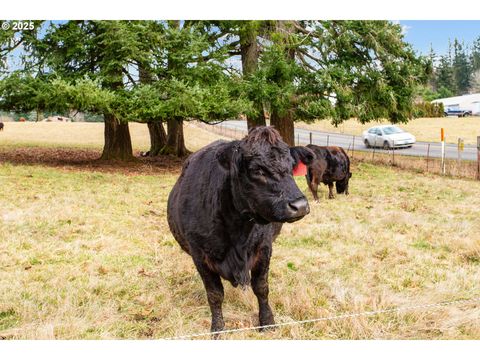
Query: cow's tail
x,y
347,170
342,185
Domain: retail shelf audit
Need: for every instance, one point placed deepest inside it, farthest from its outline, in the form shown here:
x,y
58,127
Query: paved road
x,y
346,141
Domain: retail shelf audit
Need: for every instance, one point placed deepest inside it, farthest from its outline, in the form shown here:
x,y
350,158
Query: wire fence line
x,y
424,161
332,318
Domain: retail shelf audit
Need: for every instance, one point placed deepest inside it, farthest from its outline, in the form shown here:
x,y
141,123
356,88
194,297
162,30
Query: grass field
x,y
88,255
424,129
86,135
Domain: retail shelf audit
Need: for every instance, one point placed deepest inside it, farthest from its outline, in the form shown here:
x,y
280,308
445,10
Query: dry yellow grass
x,y
88,255
87,135
424,129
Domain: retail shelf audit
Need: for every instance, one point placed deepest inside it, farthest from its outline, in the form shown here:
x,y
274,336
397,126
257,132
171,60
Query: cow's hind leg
x,y
330,191
214,288
313,185
260,286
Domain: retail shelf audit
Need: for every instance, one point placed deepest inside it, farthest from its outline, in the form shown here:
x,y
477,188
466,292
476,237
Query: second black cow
x,y
332,165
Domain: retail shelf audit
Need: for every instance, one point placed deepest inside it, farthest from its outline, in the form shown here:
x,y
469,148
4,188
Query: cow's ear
x,y
229,156
303,154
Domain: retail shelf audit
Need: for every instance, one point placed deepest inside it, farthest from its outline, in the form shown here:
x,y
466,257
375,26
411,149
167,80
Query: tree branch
x,y
128,76
305,62
299,27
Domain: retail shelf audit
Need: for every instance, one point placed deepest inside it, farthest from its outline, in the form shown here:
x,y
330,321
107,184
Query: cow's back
x,y
332,163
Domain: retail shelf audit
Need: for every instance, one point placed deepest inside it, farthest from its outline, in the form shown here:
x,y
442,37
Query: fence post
x,y
393,153
353,147
373,153
311,142
478,157
460,148
298,139
428,154
328,138
442,136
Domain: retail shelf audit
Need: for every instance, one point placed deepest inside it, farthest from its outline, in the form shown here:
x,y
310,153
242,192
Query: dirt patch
x,y
88,160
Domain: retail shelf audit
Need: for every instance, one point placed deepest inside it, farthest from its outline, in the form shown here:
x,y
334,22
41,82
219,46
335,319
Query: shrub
x,y
429,110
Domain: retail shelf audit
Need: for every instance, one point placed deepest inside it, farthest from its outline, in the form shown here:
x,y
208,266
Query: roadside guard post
x,y
460,148
442,138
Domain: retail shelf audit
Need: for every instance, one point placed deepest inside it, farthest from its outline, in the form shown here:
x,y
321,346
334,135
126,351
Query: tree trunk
x,y
158,137
118,144
283,120
175,140
284,124
249,53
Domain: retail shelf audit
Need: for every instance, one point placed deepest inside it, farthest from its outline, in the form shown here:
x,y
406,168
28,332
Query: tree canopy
x,y
174,71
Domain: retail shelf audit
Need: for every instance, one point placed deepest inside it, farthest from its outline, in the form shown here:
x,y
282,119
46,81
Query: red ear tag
x,y
300,169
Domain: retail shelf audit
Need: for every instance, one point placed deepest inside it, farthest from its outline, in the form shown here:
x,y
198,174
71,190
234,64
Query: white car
x,y
387,137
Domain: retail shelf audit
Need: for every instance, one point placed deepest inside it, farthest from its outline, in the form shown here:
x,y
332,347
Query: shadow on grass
x,y
76,159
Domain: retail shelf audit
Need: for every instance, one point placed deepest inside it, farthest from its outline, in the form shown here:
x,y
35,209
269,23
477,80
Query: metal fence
x,y
424,161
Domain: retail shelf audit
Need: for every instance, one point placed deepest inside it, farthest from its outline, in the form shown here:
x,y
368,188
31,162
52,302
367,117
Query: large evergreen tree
x,y
163,62
173,71
475,66
461,68
338,70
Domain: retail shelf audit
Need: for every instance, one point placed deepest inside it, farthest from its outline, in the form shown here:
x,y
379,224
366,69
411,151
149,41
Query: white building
x,y
464,102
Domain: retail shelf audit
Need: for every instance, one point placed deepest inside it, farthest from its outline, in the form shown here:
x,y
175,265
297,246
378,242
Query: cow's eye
x,y
258,172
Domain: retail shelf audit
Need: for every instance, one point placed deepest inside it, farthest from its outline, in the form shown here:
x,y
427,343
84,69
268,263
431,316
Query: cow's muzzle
x,y
297,209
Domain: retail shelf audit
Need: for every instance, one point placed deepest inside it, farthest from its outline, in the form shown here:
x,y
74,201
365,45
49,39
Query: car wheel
x,y
386,145
367,144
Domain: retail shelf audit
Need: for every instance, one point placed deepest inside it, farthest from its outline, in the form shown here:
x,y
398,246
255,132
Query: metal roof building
x,y
464,102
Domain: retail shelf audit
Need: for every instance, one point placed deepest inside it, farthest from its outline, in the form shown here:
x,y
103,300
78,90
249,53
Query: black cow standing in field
x,y
1,126
228,206
332,164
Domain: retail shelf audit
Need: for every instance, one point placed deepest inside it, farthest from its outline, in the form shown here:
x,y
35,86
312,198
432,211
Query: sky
x,y
422,33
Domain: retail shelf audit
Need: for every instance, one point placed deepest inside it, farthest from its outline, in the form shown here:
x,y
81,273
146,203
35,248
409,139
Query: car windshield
x,y
392,130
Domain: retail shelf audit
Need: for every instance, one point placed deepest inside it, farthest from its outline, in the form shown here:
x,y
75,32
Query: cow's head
x,y
260,170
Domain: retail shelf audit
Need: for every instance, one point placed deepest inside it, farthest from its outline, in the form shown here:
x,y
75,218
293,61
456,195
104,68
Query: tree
x,y
248,32
191,82
98,51
475,66
445,75
338,70
475,82
461,68
240,41
158,136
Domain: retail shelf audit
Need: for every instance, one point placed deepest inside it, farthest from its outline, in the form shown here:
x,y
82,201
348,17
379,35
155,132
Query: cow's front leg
x,y
214,288
260,286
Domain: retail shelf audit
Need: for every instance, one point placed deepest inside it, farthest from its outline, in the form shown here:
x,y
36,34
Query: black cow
x,y
1,126
228,206
331,165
